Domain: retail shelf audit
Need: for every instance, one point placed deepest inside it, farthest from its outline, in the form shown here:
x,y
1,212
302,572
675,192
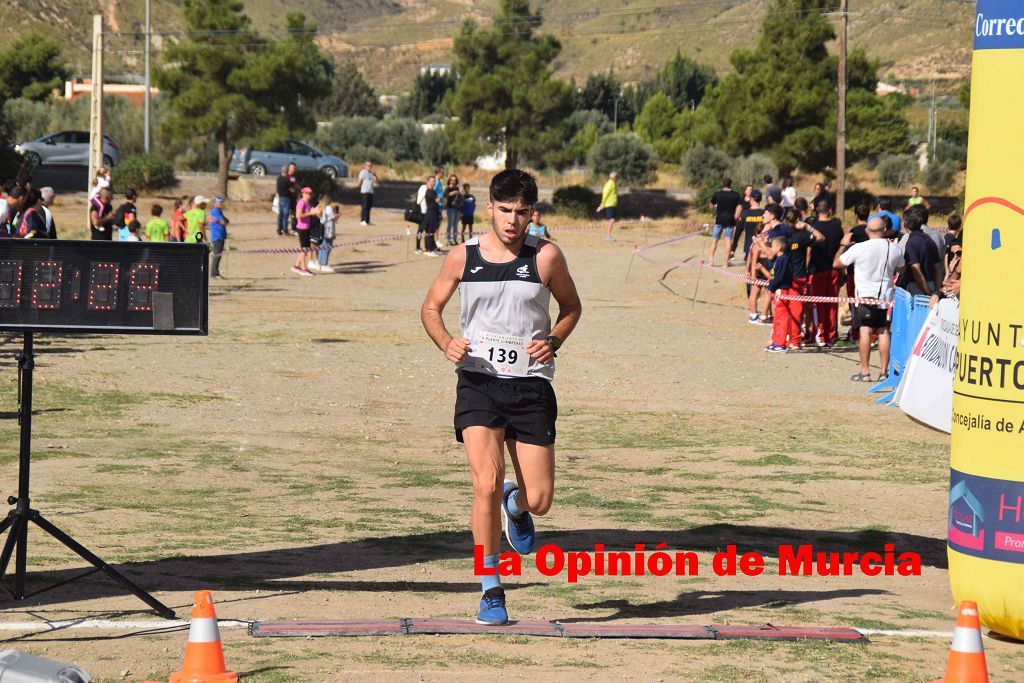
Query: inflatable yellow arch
x,y
986,497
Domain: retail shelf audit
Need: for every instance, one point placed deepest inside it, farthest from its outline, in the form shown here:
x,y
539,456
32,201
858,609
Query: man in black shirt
x,y
285,193
924,269
751,219
726,203
772,192
101,215
824,277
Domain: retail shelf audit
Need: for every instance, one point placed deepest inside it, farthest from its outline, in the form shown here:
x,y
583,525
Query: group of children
x,y
315,225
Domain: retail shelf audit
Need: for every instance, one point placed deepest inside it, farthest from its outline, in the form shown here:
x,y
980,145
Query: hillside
x,y
917,40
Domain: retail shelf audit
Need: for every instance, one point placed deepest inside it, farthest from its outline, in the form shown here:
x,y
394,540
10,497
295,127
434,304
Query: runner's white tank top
x,y
505,298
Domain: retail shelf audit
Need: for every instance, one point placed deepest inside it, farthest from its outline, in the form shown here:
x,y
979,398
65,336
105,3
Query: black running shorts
x,y
866,315
525,407
303,238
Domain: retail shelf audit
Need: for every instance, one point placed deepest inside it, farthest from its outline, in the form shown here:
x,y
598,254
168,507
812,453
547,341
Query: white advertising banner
x,y
926,391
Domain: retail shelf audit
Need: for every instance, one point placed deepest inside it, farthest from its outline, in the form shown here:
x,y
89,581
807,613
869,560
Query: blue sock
x,y
489,582
513,507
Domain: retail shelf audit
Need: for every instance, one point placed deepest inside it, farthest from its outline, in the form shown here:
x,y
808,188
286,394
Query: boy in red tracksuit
x,y
787,313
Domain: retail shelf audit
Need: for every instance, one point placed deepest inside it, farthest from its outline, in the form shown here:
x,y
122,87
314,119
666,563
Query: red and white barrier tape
x,y
341,245
638,249
791,297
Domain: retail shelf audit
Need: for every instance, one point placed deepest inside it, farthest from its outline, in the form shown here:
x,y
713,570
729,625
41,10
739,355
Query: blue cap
x,y
218,198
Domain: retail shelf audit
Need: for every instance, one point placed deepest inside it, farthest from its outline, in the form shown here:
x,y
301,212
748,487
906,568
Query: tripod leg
x,y
21,561
8,521
161,609
12,538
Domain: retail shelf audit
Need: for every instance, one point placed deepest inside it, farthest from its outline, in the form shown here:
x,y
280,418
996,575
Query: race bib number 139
x,y
507,355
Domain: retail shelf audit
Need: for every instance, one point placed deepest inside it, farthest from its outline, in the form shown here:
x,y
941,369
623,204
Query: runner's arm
x,y
551,261
438,295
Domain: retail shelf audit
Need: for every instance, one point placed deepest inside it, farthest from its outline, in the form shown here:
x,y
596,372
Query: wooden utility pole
x,y
146,103
96,104
841,115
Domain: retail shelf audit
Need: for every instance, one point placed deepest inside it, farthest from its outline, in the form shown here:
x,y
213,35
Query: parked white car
x,y
67,147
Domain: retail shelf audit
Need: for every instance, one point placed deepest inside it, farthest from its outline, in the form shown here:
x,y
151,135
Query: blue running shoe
x,y
492,608
518,530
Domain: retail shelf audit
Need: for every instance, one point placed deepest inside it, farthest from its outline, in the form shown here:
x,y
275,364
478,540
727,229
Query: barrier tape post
x,y
630,266
700,272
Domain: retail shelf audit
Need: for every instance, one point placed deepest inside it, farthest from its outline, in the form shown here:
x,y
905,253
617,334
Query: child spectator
x,y
195,220
125,214
786,323
327,223
157,229
535,227
218,233
468,209
133,232
178,219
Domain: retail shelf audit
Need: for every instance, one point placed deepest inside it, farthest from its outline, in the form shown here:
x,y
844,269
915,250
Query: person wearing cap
x,y
195,220
304,213
218,233
609,203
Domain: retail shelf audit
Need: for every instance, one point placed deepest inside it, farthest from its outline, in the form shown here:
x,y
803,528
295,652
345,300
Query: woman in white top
x,y
788,193
101,181
327,221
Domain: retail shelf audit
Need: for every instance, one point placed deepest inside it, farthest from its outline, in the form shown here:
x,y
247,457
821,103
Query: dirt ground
x,y
299,462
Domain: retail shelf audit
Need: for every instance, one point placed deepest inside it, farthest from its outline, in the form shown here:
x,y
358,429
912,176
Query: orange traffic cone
x,y
966,655
204,656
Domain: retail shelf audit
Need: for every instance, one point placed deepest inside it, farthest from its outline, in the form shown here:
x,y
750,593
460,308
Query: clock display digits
x,y
104,278
10,283
46,284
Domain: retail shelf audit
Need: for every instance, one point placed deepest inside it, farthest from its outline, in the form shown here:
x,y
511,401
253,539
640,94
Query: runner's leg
x,y
535,474
487,467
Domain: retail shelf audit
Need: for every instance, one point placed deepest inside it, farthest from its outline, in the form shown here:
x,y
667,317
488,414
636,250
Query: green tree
x,y
685,81
351,95
604,93
506,96
32,66
428,93
225,82
875,126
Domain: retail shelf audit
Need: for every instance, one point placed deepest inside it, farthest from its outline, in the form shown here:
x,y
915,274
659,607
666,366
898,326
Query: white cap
x,y
200,199
613,174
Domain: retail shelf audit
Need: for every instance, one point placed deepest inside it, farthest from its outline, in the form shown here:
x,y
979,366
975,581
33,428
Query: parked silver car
x,y
305,158
67,147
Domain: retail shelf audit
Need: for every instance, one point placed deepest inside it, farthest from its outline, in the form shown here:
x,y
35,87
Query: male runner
x,y
505,358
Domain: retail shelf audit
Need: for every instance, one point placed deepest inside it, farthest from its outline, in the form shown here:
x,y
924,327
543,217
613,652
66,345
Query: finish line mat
x,y
418,626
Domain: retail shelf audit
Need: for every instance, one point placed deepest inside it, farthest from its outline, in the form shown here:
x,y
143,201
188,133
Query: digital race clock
x,y
97,286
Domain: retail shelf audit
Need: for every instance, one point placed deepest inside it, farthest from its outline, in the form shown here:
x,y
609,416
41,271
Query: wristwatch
x,y
555,342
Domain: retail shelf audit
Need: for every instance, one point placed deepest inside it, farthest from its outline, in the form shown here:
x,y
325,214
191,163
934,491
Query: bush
x,y
897,170
750,170
938,175
144,173
320,182
576,201
357,154
705,165
633,159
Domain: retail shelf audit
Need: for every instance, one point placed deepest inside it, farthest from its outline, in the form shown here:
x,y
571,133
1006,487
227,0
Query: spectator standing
x,y
304,213
218,234
859,234
788,193
610,203
936,235
328,221
4,206
468,211
954,225
780,285
750,221
367,183
125,214
133,232
727,205
100,181
824,278
195,220
801,237
759,266
32,224
885,209
16,198
285,193
431,207
48,194
772,192
536,227
877,260
453,209
923,266
178,219
157,229
101,215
